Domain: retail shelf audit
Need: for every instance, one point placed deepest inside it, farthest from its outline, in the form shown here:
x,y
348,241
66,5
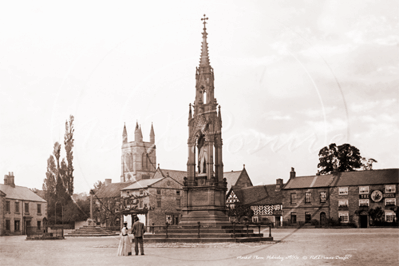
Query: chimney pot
x,y
292,173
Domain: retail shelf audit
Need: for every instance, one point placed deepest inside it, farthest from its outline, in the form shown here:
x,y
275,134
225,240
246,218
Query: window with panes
x,y
343,191
323,197
17,207
26,207
390,202
390,188
344,217
293,197
364,202
39,209
364,190
343,203
308,196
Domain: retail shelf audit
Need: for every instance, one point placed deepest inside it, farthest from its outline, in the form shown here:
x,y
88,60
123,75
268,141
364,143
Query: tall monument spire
x,y
205,186
204,59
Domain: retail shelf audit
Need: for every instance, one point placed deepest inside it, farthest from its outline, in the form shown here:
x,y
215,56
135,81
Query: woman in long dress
x,y
125,247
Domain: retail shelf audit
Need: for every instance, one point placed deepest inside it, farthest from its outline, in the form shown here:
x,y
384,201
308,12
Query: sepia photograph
x,y
199,132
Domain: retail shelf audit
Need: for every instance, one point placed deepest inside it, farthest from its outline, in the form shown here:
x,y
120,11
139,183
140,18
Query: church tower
x,y
204,186
138,159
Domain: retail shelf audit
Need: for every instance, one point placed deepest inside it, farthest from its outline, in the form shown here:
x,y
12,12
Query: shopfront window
x,y
389,216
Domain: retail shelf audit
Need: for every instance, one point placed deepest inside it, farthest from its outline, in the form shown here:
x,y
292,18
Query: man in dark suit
x,y
138,230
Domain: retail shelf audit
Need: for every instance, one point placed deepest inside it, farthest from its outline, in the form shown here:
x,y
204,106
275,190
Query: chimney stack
x,y
292,173
9,179
108,181
279,184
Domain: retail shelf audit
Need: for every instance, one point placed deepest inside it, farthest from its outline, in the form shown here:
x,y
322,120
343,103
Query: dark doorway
x,y
293,218
323,219
308,217
363,221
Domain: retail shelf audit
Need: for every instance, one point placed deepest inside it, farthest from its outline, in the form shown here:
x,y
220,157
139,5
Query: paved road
x,y
293,247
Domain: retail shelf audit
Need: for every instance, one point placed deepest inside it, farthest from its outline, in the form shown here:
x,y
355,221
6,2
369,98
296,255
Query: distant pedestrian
x,y
138,232
125,248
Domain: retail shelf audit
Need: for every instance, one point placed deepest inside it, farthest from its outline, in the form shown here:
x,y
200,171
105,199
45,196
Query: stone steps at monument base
x,y
183,235
207,240
86,231
194,231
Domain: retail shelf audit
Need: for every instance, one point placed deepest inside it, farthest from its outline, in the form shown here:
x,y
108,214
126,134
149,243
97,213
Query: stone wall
x,y
301,207
157,215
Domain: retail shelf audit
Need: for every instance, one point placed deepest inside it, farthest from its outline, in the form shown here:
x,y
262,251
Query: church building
x,y
138,157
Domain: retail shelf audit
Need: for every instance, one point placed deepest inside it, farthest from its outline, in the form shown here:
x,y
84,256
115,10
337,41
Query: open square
x,y
291,247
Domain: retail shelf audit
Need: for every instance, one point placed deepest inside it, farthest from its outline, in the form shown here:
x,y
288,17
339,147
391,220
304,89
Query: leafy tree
x,y
341,158
241,210
58,184
376,214
69,143
367,164
98,185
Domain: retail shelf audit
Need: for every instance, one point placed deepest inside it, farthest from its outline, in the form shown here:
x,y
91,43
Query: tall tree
x,y
58,184
69,143
341,158
49,186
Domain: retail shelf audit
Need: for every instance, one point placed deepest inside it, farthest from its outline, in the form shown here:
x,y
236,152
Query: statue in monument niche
x,y
201,155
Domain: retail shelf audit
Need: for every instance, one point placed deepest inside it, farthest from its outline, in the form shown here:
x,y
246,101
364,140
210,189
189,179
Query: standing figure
x,y
138,232
125,248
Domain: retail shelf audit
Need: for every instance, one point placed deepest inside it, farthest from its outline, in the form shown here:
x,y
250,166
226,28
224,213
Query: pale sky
x,y
291,77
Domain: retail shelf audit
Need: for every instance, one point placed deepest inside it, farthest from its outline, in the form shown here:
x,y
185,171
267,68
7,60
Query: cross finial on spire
x,y
204,19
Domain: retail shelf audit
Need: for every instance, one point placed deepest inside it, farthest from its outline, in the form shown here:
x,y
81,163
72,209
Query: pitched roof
x,y
353,178
112,190
372,177
20,193
177,175
310,181
231,178
259,195
143,183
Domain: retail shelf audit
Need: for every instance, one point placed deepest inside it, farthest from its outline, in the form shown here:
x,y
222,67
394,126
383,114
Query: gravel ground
x,y
291,247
